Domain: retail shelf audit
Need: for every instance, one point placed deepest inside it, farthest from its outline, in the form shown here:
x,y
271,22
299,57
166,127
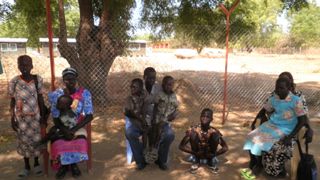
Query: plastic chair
x,y
88,162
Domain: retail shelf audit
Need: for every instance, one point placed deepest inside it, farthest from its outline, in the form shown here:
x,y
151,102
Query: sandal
x,y
193,169
37,170
247,174
23,174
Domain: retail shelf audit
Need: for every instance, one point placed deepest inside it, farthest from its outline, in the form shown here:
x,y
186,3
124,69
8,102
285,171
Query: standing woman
x,y
25,111
72,147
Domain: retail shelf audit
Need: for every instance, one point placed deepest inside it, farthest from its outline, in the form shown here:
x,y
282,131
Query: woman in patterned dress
x,y
287,117
72,147
25,113
274,160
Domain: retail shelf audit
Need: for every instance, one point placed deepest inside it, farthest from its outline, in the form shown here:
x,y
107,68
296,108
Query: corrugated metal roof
x,y
55,40
22,40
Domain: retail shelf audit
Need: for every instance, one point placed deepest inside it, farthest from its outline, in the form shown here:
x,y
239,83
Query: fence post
x,y
225,94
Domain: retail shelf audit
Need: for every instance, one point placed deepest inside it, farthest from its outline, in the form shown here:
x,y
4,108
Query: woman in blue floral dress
x,y
287,117
73,147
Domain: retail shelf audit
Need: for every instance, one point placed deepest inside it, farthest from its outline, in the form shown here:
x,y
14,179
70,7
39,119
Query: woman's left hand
x,y
286,140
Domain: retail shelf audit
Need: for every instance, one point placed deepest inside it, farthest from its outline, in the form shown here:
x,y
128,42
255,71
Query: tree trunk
x,y
95,50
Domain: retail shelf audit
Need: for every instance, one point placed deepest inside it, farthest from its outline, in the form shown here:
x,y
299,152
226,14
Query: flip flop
x,y
214,169
23,174
193,169
37,170
247,174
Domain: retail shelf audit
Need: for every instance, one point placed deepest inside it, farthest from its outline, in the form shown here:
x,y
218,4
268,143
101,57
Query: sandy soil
x,y
109,161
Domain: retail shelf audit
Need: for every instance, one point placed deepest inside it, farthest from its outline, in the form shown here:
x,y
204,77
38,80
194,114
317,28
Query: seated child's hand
x,y
69,135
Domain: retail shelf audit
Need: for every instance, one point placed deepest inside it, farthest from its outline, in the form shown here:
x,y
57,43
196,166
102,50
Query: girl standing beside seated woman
x,y
25,111
72,147
287,117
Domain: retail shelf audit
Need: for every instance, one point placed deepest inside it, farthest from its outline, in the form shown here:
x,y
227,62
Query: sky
x,y
282,21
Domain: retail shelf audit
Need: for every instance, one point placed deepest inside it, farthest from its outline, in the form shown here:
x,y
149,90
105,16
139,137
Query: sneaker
x,y
24,174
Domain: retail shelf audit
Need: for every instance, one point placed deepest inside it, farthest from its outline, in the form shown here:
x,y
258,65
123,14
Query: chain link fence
x,y
107,63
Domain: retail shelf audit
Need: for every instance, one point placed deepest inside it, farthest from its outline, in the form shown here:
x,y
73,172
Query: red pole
x,y
50,34
225,87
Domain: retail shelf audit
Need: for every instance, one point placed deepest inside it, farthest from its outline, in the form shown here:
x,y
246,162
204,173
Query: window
x,y
4,46
55,47
9,47
134,46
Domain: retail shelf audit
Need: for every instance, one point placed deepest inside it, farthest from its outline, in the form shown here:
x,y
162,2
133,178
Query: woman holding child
x,y
72,147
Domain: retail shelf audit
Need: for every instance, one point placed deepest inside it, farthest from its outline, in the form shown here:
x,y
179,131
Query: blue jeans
x,y
133,133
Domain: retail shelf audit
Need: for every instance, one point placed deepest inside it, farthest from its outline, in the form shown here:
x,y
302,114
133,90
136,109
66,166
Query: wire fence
x,y
107,64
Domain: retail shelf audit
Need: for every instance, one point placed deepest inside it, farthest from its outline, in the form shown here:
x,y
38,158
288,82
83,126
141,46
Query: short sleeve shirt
x,y
166,105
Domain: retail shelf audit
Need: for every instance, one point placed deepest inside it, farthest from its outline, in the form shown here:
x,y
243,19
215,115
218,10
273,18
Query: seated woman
x,y
263,115
287,117
72,147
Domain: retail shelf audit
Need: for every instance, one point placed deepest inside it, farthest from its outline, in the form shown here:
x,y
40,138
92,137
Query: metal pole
x,y
43,129
225,87
50,35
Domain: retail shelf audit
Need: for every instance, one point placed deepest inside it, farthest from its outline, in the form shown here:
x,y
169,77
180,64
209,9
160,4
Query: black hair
x,y
148,70
67,97
207,110
24,58
166,79
139,81
289,75
285,80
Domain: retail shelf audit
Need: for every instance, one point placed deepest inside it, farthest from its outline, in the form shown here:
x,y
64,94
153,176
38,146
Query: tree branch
x,y
66,51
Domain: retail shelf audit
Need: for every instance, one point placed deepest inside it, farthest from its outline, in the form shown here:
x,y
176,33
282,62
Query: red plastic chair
x,y
46,153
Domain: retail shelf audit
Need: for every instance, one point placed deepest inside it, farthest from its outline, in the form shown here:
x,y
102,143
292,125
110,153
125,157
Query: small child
x,y
204,140
67,118
165,111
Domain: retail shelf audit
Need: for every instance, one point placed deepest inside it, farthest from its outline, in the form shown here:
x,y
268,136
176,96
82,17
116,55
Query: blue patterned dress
x,y
283,120
84,107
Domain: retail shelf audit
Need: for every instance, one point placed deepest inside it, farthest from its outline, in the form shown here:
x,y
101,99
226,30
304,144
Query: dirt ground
x,y
109,160
108,141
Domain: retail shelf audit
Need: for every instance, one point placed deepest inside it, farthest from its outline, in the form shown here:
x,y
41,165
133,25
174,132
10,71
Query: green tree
x,y
305,31
103,29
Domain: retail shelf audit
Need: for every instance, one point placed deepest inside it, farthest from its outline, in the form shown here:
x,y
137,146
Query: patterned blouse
x,y
84,107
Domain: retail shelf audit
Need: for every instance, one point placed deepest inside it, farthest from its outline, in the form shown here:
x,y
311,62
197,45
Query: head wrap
x,y
69,71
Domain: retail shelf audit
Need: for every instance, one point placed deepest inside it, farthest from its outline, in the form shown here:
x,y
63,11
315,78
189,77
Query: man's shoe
x,y
162,166
141,166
